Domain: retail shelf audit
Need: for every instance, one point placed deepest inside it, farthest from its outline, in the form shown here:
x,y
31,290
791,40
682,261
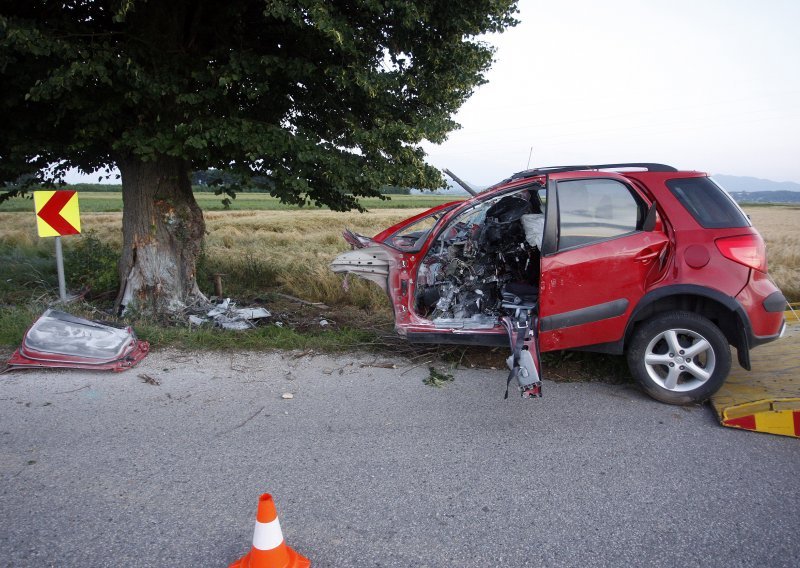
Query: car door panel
x,y
590,284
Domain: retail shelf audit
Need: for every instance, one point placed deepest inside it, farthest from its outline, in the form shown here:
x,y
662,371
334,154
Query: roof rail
x,y
559,169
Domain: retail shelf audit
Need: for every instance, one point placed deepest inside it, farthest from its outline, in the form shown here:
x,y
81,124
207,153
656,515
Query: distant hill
x,y
755,190
751,184
766,196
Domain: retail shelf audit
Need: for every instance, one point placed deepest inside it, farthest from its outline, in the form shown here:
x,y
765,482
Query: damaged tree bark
x,y
162,228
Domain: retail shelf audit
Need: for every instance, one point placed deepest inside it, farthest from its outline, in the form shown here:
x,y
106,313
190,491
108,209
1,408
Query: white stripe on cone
x,y
267,535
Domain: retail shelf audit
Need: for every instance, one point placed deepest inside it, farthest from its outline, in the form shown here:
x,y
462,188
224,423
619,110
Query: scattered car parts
x,y
227,316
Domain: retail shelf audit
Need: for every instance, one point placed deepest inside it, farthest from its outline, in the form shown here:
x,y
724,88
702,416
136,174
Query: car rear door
x,y
598,259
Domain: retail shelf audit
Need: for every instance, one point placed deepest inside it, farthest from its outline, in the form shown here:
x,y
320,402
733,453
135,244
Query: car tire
x,y
679,357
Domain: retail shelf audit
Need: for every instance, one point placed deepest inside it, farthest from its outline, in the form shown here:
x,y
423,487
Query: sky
x,y
703,85
709,85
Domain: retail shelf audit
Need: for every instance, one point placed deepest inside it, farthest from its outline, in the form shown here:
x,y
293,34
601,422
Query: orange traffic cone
x,y
269,549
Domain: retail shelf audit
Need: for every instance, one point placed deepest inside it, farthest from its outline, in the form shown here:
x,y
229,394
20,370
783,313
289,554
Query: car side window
x,y
592,210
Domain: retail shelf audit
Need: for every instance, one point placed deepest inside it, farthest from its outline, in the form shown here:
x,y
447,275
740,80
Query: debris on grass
x,y
437,378
252,313
227,316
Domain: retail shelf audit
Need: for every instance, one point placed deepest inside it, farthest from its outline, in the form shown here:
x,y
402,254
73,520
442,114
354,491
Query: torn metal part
x,y
371,263
355,240
524,360
60,340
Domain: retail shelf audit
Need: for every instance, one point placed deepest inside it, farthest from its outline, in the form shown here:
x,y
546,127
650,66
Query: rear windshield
x,y
708,203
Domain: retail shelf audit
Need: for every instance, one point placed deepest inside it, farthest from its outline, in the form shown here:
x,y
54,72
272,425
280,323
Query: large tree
x,y
327,99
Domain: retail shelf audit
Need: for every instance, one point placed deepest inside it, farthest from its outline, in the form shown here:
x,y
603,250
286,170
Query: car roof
x,y
536,172
637,170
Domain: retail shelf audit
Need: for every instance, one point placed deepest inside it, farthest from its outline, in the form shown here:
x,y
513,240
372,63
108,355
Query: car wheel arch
x,y
725,312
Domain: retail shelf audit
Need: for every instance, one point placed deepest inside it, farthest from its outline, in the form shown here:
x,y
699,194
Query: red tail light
x,y
745,249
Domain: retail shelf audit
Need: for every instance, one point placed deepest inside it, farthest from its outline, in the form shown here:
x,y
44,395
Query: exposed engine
x,y
462,277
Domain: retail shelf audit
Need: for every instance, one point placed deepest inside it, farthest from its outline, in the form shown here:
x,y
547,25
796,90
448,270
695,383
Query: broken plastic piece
x,y
220,308
532,391
61,340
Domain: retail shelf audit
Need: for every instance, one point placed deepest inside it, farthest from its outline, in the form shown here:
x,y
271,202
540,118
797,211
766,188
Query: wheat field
x,y
261,251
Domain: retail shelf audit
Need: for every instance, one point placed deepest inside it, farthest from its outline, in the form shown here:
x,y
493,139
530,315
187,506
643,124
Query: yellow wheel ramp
x,y
766,399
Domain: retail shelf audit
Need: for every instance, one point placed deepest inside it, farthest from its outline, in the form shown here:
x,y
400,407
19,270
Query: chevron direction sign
x,y
57,213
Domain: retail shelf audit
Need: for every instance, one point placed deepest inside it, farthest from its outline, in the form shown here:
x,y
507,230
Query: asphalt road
x,y
371,468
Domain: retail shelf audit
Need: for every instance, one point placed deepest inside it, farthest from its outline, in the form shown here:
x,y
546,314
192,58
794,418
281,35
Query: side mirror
x,y
650,219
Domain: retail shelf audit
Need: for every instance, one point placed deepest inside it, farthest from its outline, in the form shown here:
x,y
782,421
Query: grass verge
x,y
15,320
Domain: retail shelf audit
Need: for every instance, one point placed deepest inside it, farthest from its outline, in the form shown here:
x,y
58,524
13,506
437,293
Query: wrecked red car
x,y
640,259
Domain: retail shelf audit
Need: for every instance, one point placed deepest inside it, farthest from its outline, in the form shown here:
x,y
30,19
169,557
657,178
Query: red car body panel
x,y
752,298
383,235
580,278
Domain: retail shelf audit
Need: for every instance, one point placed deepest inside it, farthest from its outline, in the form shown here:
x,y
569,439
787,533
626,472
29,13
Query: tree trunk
x,y
163,229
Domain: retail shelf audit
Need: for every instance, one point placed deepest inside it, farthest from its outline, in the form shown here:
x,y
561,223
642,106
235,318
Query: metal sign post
x,y
62,286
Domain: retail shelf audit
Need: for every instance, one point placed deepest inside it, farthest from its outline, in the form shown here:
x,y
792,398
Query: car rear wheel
x,y
679,357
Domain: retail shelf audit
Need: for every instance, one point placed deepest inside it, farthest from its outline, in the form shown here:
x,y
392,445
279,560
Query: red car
x,y
640,259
